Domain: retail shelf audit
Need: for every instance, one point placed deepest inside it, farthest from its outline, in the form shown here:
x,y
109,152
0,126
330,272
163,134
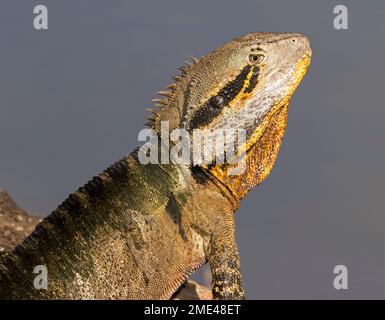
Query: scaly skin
x,y
138,231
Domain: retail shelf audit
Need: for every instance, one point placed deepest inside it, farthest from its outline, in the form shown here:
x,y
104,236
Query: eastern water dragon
x,y
137,231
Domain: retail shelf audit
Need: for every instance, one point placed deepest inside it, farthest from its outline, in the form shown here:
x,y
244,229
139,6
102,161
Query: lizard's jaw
x,y
262,146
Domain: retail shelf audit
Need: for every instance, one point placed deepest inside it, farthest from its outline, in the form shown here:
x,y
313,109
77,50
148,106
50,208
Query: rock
x,y
192,290
15,223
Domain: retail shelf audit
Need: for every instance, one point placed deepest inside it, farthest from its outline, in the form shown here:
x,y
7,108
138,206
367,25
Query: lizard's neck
x,y
262,151
260,157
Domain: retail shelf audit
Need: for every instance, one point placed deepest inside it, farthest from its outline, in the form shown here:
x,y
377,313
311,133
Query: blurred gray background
x,y
73,99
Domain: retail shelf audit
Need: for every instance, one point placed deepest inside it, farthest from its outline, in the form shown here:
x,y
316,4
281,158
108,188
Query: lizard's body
x,y
138,231
131,237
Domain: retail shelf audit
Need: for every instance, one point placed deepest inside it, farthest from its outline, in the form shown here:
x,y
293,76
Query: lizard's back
x,y
121,236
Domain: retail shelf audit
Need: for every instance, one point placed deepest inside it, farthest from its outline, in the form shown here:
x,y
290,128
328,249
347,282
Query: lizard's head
x,y
245,84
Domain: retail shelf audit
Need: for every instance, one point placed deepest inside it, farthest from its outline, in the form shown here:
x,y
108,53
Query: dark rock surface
x,y
192,290
15,223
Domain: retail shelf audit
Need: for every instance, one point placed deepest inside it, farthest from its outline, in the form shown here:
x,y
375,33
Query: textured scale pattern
x,y
139,231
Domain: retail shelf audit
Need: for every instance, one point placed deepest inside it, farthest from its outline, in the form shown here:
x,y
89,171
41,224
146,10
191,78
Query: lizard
x,y
138,231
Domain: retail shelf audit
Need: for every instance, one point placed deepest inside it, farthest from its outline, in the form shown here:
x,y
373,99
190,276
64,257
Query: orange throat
x,y
262,146
259,159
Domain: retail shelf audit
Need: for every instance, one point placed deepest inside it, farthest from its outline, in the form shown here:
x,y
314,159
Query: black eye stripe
x,y
213,107
232,89
203,116
217,101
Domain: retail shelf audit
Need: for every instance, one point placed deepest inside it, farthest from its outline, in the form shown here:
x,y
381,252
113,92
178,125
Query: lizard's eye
x,y
256,58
